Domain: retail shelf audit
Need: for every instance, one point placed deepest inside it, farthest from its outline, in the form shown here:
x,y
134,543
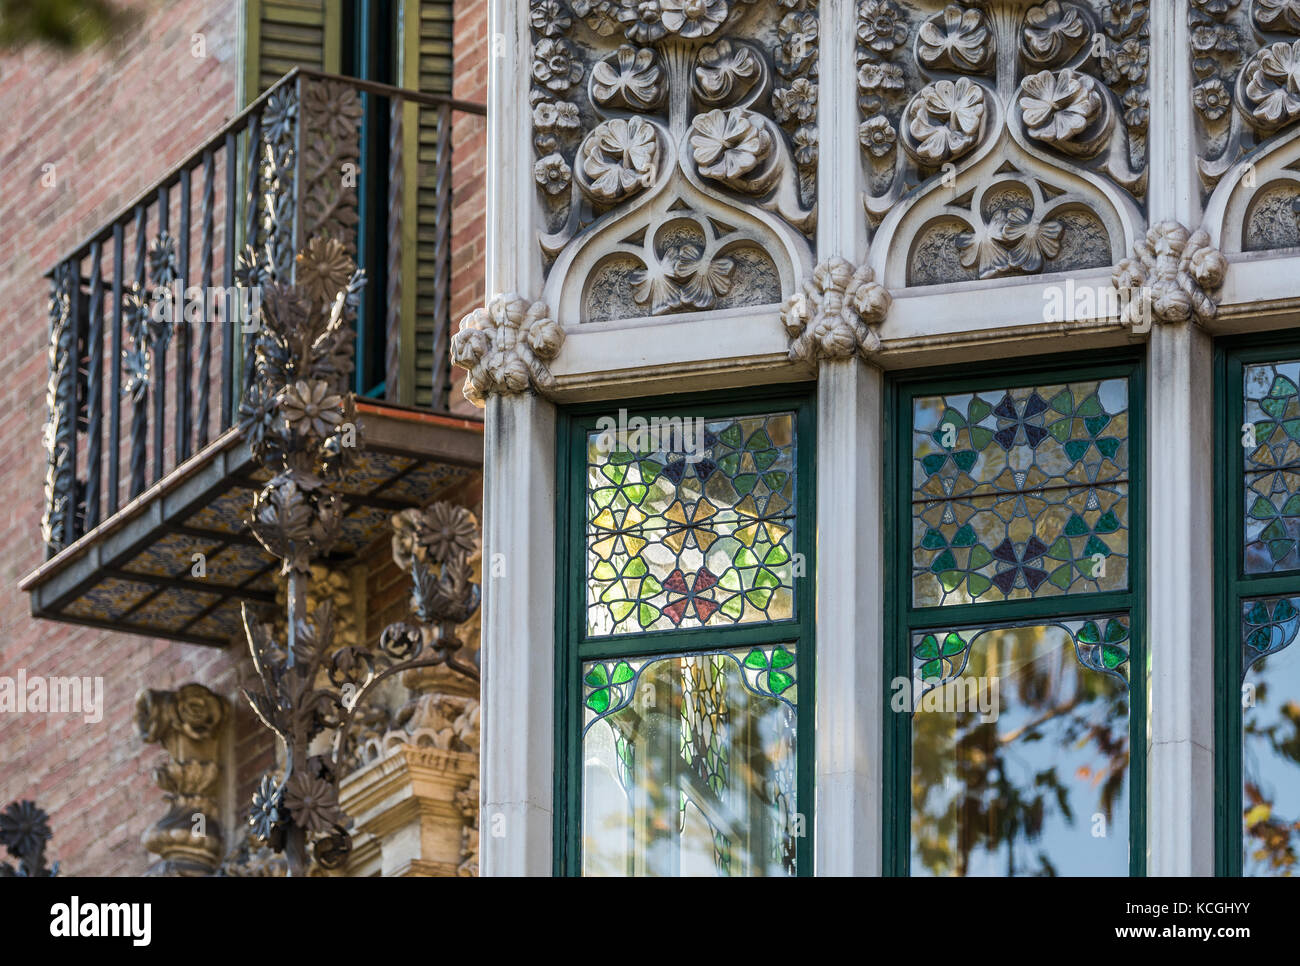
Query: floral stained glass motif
x,y
690,523
1267,626
1100,644
1020,493
690,768
1271,441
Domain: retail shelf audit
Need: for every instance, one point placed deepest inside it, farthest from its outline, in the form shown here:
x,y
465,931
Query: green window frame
x,y
906,623
1235,587
576,647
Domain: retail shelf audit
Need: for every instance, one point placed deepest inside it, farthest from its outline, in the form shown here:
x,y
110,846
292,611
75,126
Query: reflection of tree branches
x,y
1274,838
991,809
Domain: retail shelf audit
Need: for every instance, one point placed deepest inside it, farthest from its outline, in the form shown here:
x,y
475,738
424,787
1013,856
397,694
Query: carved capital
x,y
504,348
187,723
1174,275
833,314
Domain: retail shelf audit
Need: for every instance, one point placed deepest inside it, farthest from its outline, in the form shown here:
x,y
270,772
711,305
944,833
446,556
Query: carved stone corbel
x,y
1173,275
187,723
833,314
505,346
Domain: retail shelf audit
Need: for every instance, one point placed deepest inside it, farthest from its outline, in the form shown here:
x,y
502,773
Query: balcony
x,y
147,482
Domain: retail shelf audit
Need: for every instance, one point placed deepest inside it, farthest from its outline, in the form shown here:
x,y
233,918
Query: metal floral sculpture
x,y
299,419
25,832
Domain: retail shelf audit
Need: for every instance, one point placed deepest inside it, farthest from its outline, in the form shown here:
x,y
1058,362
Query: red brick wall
x,y
469,165
111,121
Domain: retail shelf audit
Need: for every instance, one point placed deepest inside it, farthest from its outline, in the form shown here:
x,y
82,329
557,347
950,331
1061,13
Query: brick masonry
x,y
111,121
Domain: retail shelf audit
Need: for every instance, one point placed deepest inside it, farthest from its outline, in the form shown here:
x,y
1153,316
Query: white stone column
x,y
1180,504
850,458
850,615
518,710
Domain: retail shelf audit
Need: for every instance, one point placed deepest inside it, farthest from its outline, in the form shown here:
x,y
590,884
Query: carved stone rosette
x,y
1174,275
187,723
1005,123
505,346
835,313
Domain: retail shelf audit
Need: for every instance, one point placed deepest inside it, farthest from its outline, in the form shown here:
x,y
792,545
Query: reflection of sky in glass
x,y
1270,766
1025,794
694,776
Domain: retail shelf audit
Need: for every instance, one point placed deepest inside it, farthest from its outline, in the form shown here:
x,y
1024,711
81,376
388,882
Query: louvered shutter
x,y
282,34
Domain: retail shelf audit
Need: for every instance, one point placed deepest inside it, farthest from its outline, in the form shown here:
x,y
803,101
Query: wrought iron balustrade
x,y
149,316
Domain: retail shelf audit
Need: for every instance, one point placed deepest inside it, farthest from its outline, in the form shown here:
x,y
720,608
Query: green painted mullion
x,y
1057,607
1227,852
695,638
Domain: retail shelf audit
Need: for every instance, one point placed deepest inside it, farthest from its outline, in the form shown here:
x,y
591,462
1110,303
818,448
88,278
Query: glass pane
x,y
690,522
1270,737
1020,493
1272,466
689,764
1020,749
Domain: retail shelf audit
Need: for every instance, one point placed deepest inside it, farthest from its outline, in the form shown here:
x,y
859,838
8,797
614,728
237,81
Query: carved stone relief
x,y
1002,137
187,723
1246,58
691,154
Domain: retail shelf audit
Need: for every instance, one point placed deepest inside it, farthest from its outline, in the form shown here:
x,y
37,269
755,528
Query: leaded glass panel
x,y
1020,493
1020,749
1270,732
1271,442
689,764
690,524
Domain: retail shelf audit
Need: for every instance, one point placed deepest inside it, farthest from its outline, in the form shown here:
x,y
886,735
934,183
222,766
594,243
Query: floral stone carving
x,y
187,723
505,346
713,102
1174,275
833,314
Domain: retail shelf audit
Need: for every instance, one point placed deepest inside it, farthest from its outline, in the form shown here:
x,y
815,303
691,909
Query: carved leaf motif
x,y
1054,32
725,73
731,146
629,78
1272,89
945,119
957,37
1277,15
1012,241
1067,110
619,159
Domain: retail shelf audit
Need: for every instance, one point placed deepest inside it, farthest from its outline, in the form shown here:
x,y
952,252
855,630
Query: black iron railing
x,y
148,317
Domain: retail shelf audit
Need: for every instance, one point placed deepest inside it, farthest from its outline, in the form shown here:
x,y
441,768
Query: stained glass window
x,y
1015,634
687,641
690,524
1271,444
1020,750
689,764
1270,737
1020,492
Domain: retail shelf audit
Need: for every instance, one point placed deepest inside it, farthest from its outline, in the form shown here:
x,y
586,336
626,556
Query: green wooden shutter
x,y
426,66
282,34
